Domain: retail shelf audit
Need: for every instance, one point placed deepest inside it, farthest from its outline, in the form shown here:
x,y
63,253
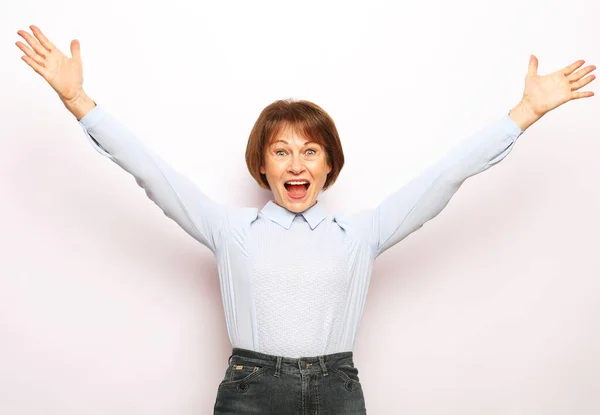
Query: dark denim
x,y
263,384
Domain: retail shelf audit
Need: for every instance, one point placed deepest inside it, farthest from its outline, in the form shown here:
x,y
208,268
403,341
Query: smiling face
x,y
292,158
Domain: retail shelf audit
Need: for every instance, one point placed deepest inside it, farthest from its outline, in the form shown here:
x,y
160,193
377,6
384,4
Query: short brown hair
x,y
306,119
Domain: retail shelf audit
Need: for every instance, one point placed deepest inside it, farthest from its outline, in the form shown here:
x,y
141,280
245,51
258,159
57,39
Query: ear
x,y
262,169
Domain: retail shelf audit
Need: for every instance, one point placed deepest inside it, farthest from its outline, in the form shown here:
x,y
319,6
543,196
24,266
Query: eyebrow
x,y
283,141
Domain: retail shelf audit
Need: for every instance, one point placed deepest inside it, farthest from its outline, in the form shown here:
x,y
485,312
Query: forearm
x,y
80,105
523,115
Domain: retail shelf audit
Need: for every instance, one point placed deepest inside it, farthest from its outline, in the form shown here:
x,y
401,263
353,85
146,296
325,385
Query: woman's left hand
x,y
544,93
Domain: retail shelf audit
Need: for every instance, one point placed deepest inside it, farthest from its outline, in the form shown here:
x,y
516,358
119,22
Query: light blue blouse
x,y
295,285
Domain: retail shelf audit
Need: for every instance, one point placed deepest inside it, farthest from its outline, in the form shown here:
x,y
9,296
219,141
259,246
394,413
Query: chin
x,y
298,206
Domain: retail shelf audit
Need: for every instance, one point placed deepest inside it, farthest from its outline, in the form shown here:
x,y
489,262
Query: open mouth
x,y
289,186
297,189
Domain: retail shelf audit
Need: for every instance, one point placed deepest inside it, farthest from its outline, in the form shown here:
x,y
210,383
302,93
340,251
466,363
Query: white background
x,y
107,307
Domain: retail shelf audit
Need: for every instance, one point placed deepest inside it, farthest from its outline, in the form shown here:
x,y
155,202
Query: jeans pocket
x,y
348,374
240,374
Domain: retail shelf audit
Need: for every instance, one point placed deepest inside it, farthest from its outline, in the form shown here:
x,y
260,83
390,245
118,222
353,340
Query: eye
x,y
283,152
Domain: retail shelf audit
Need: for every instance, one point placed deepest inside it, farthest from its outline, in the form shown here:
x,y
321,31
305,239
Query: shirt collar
x,y
313,215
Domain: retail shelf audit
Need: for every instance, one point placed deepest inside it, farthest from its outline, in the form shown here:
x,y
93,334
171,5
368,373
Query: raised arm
x,y
423,198
176,195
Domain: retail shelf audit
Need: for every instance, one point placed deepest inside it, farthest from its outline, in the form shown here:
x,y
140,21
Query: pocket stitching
x,y
347,379
248,378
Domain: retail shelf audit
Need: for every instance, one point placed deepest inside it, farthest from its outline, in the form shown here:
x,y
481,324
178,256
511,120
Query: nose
x,y
296,166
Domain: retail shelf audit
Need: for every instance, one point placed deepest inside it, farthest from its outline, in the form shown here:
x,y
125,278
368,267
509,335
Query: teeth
x,y
297,182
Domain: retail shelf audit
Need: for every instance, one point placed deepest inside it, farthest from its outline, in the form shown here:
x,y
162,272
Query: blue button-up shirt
x,y
296,284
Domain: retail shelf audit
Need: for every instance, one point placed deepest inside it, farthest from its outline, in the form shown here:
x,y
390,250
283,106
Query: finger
x,y
37,58
36,67
76,50
35,45
576,76
567,70
576,85
42,38
533,65
583,94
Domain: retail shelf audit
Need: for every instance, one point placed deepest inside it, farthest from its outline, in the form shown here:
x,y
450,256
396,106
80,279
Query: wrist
x,y
524,115
79,105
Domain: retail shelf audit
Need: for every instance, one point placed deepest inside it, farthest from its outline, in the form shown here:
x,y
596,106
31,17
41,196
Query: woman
x,y
292,321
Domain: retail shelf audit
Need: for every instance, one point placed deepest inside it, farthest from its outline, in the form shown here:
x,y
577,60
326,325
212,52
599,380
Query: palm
x,y
544,93
65,75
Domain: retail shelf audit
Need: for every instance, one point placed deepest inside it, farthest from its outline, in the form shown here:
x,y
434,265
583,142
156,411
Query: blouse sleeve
x,y
177,196
424,197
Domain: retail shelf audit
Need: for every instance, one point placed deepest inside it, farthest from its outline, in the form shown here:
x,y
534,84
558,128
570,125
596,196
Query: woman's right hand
x,y
65,75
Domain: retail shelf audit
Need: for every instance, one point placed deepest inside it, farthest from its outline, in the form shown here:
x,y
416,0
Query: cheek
x,y
274,171
269,166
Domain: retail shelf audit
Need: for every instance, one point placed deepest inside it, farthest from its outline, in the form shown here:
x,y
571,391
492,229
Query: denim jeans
x,y
263,384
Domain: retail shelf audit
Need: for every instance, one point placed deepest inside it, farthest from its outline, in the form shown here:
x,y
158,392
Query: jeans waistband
x,y
282,363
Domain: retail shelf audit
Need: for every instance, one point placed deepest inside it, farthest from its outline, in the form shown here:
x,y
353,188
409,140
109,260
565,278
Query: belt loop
x,y
322,362
278,366
229,361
